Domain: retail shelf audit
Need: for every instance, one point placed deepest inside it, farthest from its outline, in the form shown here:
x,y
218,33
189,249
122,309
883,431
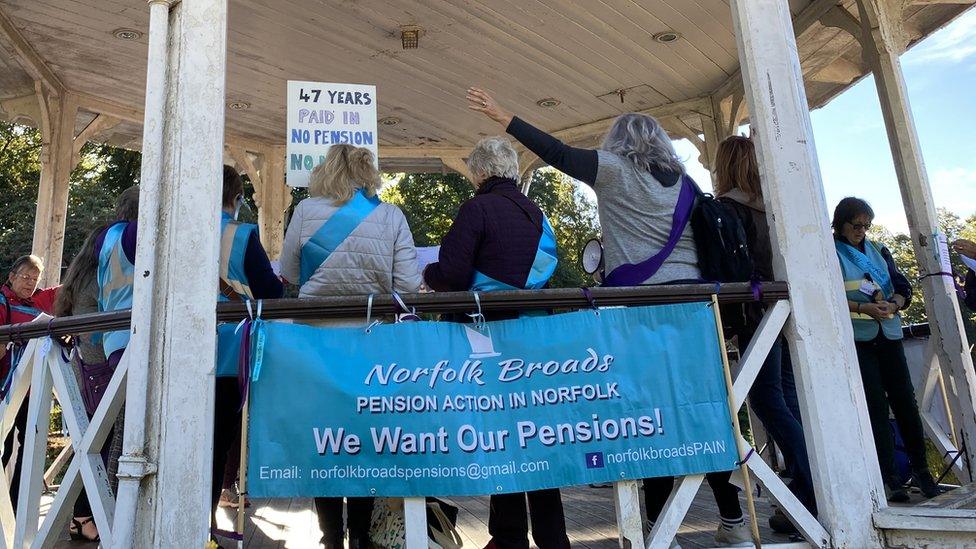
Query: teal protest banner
x,y
437,408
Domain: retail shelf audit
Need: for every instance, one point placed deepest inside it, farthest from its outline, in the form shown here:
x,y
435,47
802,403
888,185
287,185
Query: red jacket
x,y
14,310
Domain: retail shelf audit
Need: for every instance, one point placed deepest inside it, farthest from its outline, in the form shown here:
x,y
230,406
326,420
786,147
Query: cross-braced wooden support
x,y
266,170
847,484
883,42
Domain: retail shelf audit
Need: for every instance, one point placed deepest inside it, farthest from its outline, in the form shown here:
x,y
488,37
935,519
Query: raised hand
x,y
480,101
965,247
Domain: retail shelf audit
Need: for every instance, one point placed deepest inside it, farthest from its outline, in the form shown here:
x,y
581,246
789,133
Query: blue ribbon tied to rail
x,y
438,408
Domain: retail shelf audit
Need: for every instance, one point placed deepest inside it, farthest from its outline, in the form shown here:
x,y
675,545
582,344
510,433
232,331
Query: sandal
x,y
77,530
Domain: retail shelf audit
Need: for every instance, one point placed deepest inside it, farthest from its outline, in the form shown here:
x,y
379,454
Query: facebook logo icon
x,y
594,460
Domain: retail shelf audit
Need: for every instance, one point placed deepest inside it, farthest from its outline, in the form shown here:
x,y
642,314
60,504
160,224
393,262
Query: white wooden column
x,y
273,197
57,124
171,379
842,454
882,46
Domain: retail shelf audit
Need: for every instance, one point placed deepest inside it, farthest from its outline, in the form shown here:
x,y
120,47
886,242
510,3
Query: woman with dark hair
x,y
774,402
638,181
80,295
876,291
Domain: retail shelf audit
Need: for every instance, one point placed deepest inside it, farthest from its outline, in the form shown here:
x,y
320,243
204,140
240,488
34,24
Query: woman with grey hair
x,y
636,176
500,240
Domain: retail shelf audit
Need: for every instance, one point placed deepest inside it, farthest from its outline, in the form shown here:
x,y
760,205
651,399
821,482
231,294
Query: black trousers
x,y
508,520
17,435
227,428
888,383
329,511
657,490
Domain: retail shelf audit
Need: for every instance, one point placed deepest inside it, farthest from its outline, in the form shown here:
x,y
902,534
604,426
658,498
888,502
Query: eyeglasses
x,y
860,226
28,278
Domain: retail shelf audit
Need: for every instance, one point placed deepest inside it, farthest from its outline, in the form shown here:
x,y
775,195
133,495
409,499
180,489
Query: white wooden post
x,y
880,23
172,376
57,123
842,453
272,197
415,523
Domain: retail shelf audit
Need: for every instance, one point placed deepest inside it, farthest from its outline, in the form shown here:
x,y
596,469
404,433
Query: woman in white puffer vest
x,y
343,241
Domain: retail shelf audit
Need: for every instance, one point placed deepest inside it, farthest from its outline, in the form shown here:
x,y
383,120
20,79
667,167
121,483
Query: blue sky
x,y
852,144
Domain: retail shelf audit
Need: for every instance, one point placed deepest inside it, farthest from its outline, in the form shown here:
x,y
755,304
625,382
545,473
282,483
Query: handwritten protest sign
x,y
439,408
322,114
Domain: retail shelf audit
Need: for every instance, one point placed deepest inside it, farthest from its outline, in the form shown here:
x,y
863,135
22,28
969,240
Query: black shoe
x,y
781,524
896,493
923,479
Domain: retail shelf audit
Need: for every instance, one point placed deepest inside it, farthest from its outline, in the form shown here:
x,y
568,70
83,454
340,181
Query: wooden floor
x,y
589,513
590,522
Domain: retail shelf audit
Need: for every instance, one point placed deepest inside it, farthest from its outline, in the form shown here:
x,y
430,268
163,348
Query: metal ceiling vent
x,y
127,34
548,102
667,37
410,36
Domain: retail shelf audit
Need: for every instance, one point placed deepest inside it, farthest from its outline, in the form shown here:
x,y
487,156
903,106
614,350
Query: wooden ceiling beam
x,y
696,105
801,23
27,56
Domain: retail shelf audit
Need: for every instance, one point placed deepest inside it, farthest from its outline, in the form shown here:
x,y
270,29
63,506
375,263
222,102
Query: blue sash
x,y
23,309
542,269
115,276
233,245
879,273
333,232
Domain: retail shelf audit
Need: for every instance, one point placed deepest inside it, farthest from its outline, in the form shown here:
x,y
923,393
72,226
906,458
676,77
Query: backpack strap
x,y
633,274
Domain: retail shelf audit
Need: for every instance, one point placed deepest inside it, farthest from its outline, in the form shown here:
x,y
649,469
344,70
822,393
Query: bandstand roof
x,y
578,52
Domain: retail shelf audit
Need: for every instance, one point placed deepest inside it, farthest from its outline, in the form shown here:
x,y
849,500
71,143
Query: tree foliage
x,y
430,203
902,251
101,174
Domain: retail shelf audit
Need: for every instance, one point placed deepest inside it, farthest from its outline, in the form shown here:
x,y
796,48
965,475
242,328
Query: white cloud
x,y
953,44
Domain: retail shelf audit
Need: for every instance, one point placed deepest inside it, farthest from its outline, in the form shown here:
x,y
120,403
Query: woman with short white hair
x,y
343,240
640,184
500,240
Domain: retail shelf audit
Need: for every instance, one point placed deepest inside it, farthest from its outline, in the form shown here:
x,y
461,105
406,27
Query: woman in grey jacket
x,y
343,241
376,256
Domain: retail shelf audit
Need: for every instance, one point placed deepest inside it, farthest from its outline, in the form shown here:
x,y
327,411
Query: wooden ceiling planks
x,y
523,50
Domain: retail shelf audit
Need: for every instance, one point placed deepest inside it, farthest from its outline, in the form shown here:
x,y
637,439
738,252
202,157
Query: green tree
x,y
430,203
902,251
101,174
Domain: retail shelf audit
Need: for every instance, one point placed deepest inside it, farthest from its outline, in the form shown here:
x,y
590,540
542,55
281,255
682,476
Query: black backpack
x,y
721,242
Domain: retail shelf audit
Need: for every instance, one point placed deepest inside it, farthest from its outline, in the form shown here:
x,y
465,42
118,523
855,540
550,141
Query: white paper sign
x,y
427,255
942,246
322,114
971,263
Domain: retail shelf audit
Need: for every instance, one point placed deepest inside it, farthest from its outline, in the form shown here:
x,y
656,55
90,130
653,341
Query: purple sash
x,y
633,274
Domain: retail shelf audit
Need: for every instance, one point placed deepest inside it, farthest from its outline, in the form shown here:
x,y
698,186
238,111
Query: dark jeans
x,y
887,383
657,490
227,428
508,520
82,506
768,400
329,511
17,433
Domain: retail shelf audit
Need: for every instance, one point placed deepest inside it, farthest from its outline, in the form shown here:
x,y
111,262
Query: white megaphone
x,y
591,259
481,344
